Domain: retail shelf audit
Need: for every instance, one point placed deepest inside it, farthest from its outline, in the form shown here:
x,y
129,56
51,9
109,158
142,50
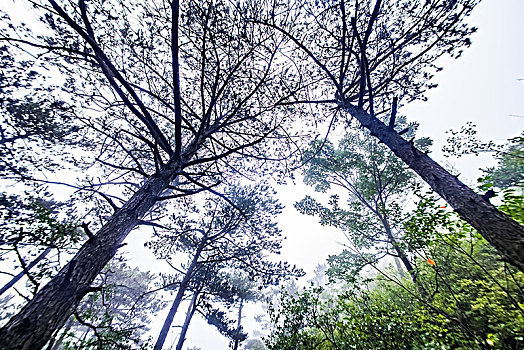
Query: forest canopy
x,y
170,123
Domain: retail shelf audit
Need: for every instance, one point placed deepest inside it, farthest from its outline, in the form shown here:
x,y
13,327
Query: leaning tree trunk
x,y
35,324
501,231
189,315
239,325
56,344
179,295
403,257
25,271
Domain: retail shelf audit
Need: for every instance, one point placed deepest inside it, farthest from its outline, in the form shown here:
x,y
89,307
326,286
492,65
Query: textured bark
x,y
501,231
35,324
26,270
179,295
189,315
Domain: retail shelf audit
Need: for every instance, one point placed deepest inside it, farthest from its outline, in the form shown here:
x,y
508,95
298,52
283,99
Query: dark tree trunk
x,y
179,295
26,270
35,324
409,267
403,257
189,315
501,231
239,325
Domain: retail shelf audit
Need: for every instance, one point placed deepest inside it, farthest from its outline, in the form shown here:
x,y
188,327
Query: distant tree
x,y
254,344
376,184
510,169
246,290
235,235
115,315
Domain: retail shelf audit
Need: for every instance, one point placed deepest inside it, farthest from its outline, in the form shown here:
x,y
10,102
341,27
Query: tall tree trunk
x,y
26,270
179,295
400,269
189,315
403,257
501,231
239,325
35,324
409,267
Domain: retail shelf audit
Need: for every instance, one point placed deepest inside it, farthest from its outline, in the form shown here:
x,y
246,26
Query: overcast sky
x,y
482,86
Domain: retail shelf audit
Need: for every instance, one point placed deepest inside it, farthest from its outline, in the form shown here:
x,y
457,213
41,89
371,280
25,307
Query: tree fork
x,y
501,231
36,323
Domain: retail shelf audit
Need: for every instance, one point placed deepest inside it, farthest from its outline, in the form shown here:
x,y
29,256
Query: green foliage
x,y
474,301
117,314
358,159
31,221
510,170
373,179
513,202
383,318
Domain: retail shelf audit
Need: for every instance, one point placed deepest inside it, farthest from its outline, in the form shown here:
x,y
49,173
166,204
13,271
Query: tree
x,y
225,236
28,225
173,129
246,290
474,300
373,56
376,183
115,315
510,170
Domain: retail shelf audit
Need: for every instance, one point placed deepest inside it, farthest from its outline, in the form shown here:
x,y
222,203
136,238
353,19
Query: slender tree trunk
x,y
239,325
27,269
501,231
179,295
35,324
409,267
398,264
189,315
403,257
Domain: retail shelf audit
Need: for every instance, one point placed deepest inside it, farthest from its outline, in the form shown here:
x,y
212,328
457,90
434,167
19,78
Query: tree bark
x,y
403,257
398,264
189,315
35,324
179,295
27,269
501,231
239,325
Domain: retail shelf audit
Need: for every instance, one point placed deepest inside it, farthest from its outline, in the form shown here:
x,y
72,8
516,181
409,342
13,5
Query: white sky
x,y
481,87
